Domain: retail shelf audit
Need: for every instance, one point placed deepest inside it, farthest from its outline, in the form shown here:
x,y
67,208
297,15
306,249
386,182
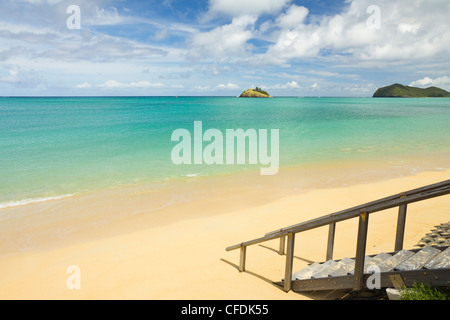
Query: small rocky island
x,y
400,91
255,93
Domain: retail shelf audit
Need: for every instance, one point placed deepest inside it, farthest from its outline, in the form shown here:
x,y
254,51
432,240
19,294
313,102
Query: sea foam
x,y
24,202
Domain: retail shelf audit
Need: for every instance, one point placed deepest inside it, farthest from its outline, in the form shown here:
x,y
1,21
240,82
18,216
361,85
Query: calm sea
x,y
54,147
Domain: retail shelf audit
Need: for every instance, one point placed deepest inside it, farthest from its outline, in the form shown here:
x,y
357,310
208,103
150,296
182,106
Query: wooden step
x,y
344,267
336,268
373,261
404,260
306,273
440,261
314,270
418,260
390,263
325,269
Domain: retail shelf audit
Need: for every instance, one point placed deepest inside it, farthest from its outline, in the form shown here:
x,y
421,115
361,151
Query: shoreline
x,y
141,245
342,169
95,211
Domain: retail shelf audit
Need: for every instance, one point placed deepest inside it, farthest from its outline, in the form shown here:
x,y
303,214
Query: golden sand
x,y
145,243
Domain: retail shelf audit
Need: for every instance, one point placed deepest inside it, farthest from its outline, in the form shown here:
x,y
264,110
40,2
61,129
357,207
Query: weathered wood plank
x,y
330,245
360,250
242,259
282,248
289,261
437,277
400,234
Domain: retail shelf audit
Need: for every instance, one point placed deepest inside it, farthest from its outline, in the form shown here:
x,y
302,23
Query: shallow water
x,y
52,147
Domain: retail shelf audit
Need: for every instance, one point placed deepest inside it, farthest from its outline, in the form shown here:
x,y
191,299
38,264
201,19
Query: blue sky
x,y
222,47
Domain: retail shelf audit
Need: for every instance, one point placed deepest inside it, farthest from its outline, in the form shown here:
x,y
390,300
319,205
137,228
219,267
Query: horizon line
x,y
177,96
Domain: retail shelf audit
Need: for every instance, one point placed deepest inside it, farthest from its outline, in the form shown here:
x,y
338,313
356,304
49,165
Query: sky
x,y
221,47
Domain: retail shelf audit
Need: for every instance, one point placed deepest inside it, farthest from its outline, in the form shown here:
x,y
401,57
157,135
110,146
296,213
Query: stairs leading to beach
x,y
404,260
429,264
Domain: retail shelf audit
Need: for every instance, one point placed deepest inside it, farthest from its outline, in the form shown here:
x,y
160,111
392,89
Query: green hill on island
x,y
400,91
255,93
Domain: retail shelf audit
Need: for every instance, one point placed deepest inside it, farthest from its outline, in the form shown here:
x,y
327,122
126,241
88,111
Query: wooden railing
x,y
362,212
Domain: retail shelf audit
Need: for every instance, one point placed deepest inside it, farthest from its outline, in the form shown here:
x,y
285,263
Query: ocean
x,y
57,147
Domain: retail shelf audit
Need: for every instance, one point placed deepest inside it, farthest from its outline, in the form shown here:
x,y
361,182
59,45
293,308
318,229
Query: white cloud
x,y
227,86
12,77
409,31
202,88
44,41
225,41
41,1
84,85
288,85
160,34
16,29
260,40
422,82
112,84
106,17
293,85
441,82
325,73
23,78
293,17
236,8
408,28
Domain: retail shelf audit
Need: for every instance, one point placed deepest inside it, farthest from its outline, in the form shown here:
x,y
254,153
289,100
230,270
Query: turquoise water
x,y
58,146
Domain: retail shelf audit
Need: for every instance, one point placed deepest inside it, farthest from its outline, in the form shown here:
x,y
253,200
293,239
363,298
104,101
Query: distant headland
x,y
400,91
255,93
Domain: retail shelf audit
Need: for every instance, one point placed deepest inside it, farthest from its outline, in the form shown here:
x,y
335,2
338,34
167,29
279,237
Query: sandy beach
x,y
140,243
141,139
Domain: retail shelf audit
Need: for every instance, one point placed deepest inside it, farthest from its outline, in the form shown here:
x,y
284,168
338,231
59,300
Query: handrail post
x,y
289,261
360,250
330,246
242,258
400,235
281,250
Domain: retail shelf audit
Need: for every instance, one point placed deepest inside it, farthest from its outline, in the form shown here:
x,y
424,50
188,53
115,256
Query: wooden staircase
x,y
429,264
402,268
